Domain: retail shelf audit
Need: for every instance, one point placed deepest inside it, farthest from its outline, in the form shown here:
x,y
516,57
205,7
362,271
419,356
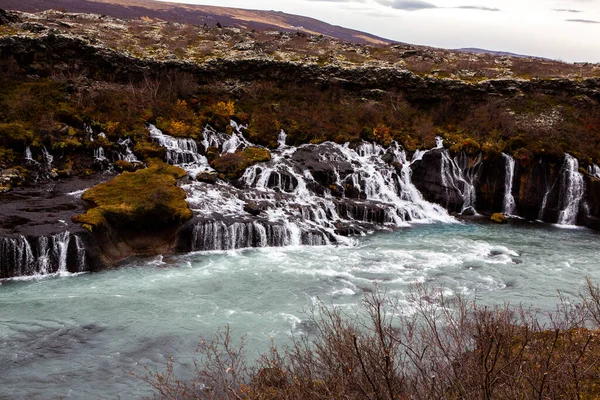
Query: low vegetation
x,y
51,110
147,199
443,349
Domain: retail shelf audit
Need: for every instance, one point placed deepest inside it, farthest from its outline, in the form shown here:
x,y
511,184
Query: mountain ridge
x,y
199,15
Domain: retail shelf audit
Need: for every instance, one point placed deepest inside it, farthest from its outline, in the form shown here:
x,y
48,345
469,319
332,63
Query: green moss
x,y
257,154
149,150
15,135
7,157
147,199
232,165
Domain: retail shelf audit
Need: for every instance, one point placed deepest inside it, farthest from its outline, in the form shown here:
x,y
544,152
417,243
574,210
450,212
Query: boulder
x,y
207,177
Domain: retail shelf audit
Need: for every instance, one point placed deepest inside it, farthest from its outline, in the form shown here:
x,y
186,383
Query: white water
x,y
81,337
99,154
28,155
457,174
291,212
508,205
127,153
46,255
594,171
48,159
572,191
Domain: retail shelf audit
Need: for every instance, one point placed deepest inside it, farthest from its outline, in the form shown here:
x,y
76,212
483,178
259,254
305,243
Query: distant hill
x,y
198,15
495,53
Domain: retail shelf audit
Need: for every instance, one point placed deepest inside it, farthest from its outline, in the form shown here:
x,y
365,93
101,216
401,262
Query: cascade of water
x,y
360,189
281,138
48,158
456,174
594,171
28,155
16,257
226,143
180,151
439,142
89,131
60,247
508,205
571,191
99,154
45,255
127,153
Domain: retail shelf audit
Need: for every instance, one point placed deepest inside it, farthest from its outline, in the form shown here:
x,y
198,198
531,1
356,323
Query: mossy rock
x,y
122,165
147,199
499,218
15,136
232,165
257,154
148,150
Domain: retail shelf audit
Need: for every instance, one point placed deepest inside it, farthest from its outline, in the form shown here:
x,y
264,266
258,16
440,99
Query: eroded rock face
x,y
37,235
428,178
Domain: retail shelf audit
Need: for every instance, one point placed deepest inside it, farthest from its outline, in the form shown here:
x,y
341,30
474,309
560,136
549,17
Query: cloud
x,y
567,10
584,21
408,5
416,5
480,8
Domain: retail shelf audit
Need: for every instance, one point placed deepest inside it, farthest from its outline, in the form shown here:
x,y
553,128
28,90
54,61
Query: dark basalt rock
x,y
427,177
207,177
323,162
253,208
38,218
8,17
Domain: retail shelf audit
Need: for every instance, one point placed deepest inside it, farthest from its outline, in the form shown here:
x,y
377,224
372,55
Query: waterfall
x,y
48,158
571,191
99,154
226,143
594,171
126,154
45,255
350,190
456,174
180,151
28,155
508,205
281,138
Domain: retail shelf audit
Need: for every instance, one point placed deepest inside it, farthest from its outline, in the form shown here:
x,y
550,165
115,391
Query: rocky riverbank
x,y
277,147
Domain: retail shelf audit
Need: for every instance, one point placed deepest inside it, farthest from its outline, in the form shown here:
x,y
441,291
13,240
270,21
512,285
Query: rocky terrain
x,y
284,137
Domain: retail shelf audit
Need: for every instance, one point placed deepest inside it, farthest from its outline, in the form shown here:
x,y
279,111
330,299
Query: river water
x,y
81,336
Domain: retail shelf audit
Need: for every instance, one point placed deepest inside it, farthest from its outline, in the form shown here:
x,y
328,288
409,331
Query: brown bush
x,y
447,349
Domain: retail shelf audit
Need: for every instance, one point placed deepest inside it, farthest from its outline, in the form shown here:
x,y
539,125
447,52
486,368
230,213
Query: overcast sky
x,y
567,30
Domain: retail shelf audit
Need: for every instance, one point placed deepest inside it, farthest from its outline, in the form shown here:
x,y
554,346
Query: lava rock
x,y
207,177
253,208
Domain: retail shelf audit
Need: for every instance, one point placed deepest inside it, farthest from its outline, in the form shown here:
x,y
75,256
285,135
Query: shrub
x,y
447,349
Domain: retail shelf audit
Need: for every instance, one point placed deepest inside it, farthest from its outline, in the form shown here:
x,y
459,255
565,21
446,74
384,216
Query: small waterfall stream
x,y
45,255
508,205
571,191
457,174
594,170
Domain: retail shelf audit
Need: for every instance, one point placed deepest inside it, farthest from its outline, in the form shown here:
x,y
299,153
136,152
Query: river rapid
x,y
80,336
